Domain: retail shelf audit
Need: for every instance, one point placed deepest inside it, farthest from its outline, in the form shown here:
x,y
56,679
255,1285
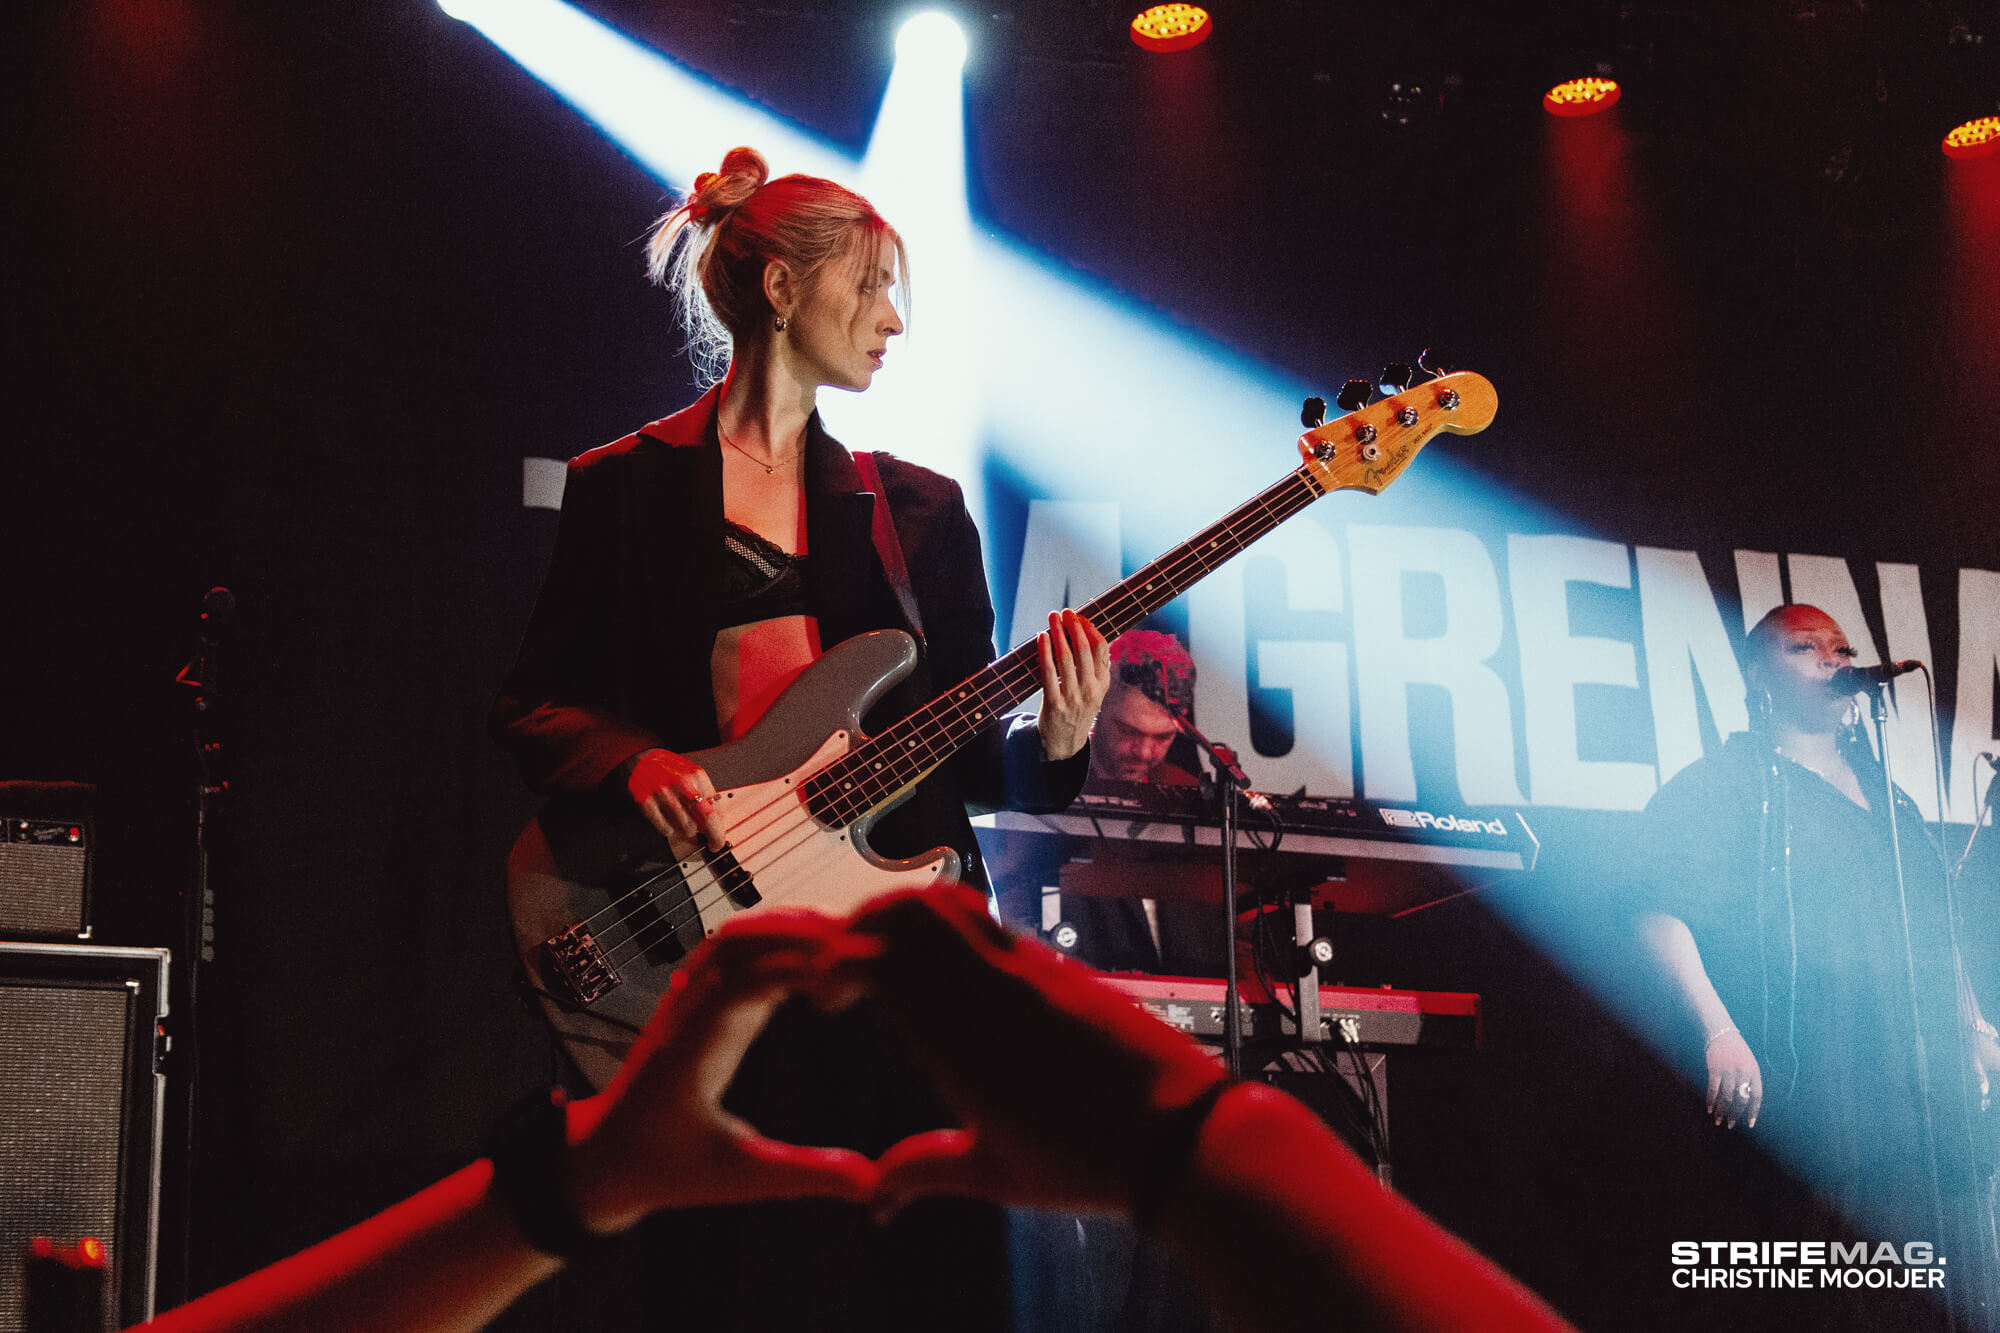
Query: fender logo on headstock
x,y
1394,430
1382,473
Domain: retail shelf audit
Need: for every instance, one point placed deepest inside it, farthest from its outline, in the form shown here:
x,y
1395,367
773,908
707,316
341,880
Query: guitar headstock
x,y
1369,447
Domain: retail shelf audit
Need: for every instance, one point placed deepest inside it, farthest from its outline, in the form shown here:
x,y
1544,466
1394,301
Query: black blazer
x,y
616,658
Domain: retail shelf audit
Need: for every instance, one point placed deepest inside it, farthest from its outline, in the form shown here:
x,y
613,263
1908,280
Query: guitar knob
x,y
1406,416
1354,395
1365,434
1396,377
1313,413
1448,400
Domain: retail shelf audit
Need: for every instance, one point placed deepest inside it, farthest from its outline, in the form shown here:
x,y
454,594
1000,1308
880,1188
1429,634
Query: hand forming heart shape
x,y
1069,1093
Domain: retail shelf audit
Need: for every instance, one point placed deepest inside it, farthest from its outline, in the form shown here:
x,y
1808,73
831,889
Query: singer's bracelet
x,y
1717,1036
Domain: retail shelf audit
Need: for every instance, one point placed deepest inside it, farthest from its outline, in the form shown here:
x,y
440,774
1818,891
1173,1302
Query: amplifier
x,y
82,1106
46,833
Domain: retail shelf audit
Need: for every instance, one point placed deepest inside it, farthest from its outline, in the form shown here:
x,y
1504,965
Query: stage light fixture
x,y
1172,27
1975,138
1581,97
933,38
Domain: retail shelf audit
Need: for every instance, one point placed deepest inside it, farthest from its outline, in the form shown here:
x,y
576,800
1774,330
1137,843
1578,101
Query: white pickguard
x,y
793,859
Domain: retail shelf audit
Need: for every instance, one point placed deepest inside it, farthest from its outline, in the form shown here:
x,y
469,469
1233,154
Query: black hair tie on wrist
x,y
527,1147
1167,1154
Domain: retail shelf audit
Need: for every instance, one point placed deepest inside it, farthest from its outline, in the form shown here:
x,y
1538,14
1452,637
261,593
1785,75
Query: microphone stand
x,y
1229,780
1878,710
1986,807
197,943
1988,1185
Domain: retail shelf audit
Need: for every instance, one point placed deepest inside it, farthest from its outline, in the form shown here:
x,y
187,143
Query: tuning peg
x,y
1313,413
1437,361
1354,395
1396,377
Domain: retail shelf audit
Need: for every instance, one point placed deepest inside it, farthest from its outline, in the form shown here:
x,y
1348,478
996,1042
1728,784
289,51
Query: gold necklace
x,y
770,469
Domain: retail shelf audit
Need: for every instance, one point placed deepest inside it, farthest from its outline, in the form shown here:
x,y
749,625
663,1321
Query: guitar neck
x,y
887,764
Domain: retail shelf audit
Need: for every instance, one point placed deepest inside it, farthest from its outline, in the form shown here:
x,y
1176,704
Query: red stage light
x,y
1172,27
1975,138
1580,97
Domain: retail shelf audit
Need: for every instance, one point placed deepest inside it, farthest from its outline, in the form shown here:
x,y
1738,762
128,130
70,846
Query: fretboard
x,y
884,765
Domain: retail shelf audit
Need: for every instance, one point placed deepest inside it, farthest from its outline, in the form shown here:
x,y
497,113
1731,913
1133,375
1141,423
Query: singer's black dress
x,y
1810,961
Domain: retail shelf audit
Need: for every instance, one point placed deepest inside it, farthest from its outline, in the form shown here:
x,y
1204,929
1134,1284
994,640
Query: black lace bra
x,y
759,580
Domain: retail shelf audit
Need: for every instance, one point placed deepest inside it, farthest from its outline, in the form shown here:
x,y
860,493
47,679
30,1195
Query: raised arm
x,y
454,1256
1073,1097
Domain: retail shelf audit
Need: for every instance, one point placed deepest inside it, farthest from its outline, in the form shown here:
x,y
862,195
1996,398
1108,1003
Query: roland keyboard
x,y
1141,840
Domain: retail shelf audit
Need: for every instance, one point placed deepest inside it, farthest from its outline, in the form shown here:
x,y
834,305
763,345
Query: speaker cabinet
x,y
46,833
82,1105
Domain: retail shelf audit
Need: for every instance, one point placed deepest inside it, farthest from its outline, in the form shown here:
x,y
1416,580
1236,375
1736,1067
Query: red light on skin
x,y
1172,27
1581,97
1975,138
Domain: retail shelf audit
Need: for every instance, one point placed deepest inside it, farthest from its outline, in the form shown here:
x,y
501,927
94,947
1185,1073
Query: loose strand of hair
x,y
675,253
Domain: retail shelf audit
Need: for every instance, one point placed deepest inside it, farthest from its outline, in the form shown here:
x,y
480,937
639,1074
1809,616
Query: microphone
x,y
218,608
1854,679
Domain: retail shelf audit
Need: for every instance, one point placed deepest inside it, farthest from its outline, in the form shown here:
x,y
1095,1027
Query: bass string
x,y
748,867
727,880
725,883
775,802
934,724
719,888
900,744
905,768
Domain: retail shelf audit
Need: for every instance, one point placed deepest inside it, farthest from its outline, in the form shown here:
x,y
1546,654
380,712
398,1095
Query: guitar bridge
x,y
581,968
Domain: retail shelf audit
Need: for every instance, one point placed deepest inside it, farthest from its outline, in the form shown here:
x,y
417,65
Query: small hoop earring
x,y
780,323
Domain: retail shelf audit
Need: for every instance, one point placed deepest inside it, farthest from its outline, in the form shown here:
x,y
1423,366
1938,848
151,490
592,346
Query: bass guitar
x,y
604,909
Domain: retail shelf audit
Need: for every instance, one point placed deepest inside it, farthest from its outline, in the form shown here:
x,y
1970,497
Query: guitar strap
x,y
886,544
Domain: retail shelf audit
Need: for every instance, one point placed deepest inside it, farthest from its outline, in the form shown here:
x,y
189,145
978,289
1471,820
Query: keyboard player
x,y
1135,742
